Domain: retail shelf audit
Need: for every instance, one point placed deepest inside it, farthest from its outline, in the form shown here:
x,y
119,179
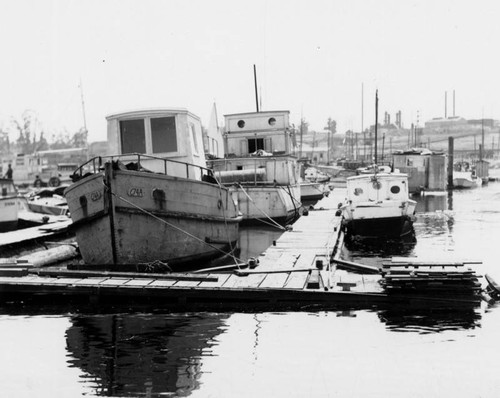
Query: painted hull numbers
x,y
135,192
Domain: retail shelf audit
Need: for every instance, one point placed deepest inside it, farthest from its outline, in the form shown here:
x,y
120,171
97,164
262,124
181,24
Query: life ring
x,y
54,182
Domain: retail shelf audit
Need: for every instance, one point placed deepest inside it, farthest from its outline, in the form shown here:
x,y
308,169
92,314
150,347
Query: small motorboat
x,y
378,206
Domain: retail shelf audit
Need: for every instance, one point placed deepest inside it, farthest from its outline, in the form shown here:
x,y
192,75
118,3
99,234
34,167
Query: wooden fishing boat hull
x,y
259,203
148,217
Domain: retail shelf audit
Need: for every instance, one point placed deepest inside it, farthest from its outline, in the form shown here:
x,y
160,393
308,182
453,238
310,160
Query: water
x,y
383,352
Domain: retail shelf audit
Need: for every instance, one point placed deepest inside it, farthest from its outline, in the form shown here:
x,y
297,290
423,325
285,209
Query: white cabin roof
x,y
150,112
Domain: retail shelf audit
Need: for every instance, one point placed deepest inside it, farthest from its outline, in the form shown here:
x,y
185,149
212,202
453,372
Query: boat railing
x,y
96,165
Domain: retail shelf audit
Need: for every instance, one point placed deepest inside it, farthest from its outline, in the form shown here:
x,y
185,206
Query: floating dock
x,y
297,272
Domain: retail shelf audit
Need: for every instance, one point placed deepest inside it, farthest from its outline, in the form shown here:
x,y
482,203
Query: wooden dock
x,y
296,272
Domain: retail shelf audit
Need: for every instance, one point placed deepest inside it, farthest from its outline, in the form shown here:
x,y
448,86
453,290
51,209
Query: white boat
x,y
258,166
48,201
313,190
465,180
8,205
378,206
159,205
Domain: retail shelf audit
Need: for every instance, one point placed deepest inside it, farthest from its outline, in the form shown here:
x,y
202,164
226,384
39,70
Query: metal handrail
x,y
96,164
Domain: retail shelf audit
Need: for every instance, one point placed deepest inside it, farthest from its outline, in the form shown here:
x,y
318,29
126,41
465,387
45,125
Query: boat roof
x,y
148,112
261,113
386,176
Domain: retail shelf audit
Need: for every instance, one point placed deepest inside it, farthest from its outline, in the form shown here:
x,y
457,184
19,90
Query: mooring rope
x,y
171,225
225,223
294,201
273,223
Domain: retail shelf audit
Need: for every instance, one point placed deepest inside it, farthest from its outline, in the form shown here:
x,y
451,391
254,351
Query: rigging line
x,y
274,223
231,249
169,224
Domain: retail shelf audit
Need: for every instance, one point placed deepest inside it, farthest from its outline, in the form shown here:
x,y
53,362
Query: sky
x,y
314,58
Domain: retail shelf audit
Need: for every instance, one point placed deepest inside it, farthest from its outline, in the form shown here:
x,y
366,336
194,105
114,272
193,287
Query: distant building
x,y
490,123
441,123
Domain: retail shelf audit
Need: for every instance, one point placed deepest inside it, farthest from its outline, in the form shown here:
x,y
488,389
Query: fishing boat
x,y
155,203
378,206
8,205
259,167
464,177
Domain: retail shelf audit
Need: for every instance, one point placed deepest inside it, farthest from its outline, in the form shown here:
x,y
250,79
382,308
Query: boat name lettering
x,y
10,203
96,195
135,192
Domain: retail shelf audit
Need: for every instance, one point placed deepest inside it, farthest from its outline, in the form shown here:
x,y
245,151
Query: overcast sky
x,y
312,58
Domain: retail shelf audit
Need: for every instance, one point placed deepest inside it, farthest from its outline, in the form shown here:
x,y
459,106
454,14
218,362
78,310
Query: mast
x,y
83,107
362,113
255,83
376,124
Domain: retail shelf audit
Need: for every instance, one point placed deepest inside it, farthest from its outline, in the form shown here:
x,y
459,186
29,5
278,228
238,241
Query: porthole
x,y
241,124
272,121
395,189
358,191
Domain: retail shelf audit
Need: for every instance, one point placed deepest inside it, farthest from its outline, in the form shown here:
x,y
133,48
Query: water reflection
x,y
430,320
432,203
142,354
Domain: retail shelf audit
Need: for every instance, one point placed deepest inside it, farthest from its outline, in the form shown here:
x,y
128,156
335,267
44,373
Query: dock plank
x,y
63,281
296,280
221,279
274,280
114,281
186,283
138,282
249,281
89,281
162,283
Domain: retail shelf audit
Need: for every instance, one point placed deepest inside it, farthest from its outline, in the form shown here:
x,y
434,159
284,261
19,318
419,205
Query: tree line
x,y
30,138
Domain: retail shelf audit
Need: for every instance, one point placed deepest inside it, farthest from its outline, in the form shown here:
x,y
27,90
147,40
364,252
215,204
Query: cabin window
x,y
272,121
241,124
163,134
193,135
239,167
395,189
133,138
358,191
254,144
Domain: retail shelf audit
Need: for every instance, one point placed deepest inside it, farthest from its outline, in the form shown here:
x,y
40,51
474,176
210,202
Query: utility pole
x,y
376,124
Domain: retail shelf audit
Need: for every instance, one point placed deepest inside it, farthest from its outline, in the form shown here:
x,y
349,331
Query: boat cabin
x,y
163,133
377,187
258,147
248,133
7,187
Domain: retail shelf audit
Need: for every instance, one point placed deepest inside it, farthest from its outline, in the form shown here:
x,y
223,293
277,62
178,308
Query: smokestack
x,y
445,104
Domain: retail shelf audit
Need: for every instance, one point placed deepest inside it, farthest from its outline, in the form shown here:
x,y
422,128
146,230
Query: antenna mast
x,y
255,83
